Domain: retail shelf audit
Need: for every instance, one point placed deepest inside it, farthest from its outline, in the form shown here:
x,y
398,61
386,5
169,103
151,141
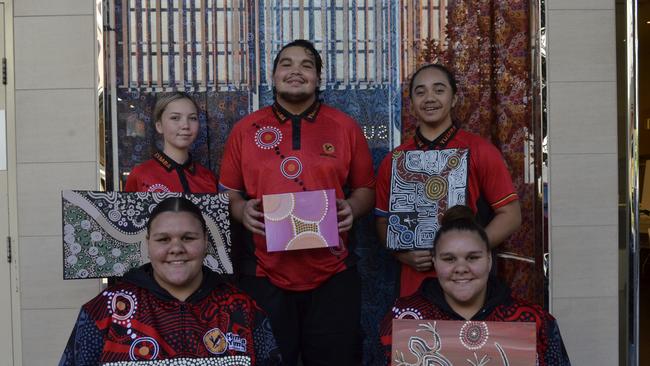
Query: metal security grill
x,y
184,44
423,25
352,36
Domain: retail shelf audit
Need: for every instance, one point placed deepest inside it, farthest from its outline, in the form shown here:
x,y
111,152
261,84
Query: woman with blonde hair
x,y
176,117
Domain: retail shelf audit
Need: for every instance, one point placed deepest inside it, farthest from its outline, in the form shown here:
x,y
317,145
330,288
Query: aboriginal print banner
x,y
424,184
475,343
301,220
104,233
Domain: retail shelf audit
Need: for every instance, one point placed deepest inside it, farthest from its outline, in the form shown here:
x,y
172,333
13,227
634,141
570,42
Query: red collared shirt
x,y
162,174
271,151
488,179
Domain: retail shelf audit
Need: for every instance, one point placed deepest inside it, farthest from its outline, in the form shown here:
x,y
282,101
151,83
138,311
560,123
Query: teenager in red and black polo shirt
x,y
173,170
299,144
489,186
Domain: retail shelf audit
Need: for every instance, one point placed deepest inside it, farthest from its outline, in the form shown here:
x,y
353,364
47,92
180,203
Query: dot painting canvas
x,y
104,233
216,361
301,220
457,342
423,185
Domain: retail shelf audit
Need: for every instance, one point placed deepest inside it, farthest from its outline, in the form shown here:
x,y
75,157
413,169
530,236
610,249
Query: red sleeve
x,y
230,175
209,176
382,190
494,178
132,181
361,170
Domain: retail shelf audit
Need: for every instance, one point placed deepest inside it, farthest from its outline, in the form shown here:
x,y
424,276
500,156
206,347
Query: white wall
x,y
56,129
583,177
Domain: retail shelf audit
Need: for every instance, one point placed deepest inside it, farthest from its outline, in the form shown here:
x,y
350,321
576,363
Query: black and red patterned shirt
x,y
137,320
429,303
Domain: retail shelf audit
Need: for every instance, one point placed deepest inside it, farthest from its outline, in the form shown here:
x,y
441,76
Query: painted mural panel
x,y
424,184
475,343
104,233
301,220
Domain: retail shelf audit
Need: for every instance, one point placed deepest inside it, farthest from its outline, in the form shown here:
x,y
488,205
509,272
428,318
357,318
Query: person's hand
x,y
253,216
344,215
419,260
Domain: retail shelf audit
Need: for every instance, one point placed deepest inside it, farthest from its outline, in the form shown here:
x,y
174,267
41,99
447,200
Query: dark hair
x,y
445,70
460,218
308,46
163,100
176,204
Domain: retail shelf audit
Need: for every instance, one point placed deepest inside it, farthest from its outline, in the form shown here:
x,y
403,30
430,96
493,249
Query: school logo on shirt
x,y
328,150
218,343
215,341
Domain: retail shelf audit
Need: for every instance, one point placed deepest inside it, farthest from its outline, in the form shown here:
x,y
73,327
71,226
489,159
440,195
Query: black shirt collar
x,y
143,277
497,294
169,164
309,114
439,142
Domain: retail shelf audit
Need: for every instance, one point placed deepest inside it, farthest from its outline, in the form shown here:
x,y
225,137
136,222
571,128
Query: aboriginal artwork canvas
x,y
104,232
474,343
423,185
302,220
221,361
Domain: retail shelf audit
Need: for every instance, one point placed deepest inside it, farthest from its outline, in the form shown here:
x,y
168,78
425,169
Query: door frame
x,y
12,190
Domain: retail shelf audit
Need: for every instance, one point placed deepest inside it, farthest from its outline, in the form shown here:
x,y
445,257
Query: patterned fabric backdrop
x,y
222,52
495,101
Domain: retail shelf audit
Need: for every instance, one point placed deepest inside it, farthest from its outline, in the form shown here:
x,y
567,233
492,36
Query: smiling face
x,y
432,98
463,265
177,245
179,125
295,78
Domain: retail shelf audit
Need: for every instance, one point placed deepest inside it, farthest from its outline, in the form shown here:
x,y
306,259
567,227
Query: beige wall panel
x,y
583,190
583,117
45,334
579,4
54,52
63,120
39,194
589,327
41,276
53,7
584,261
581,45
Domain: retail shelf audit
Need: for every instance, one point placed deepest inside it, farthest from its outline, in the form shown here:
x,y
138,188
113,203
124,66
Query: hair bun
x,y
458,213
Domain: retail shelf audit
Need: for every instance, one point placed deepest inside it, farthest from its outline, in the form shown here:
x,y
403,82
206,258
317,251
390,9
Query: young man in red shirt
x,y
433,95
312,296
